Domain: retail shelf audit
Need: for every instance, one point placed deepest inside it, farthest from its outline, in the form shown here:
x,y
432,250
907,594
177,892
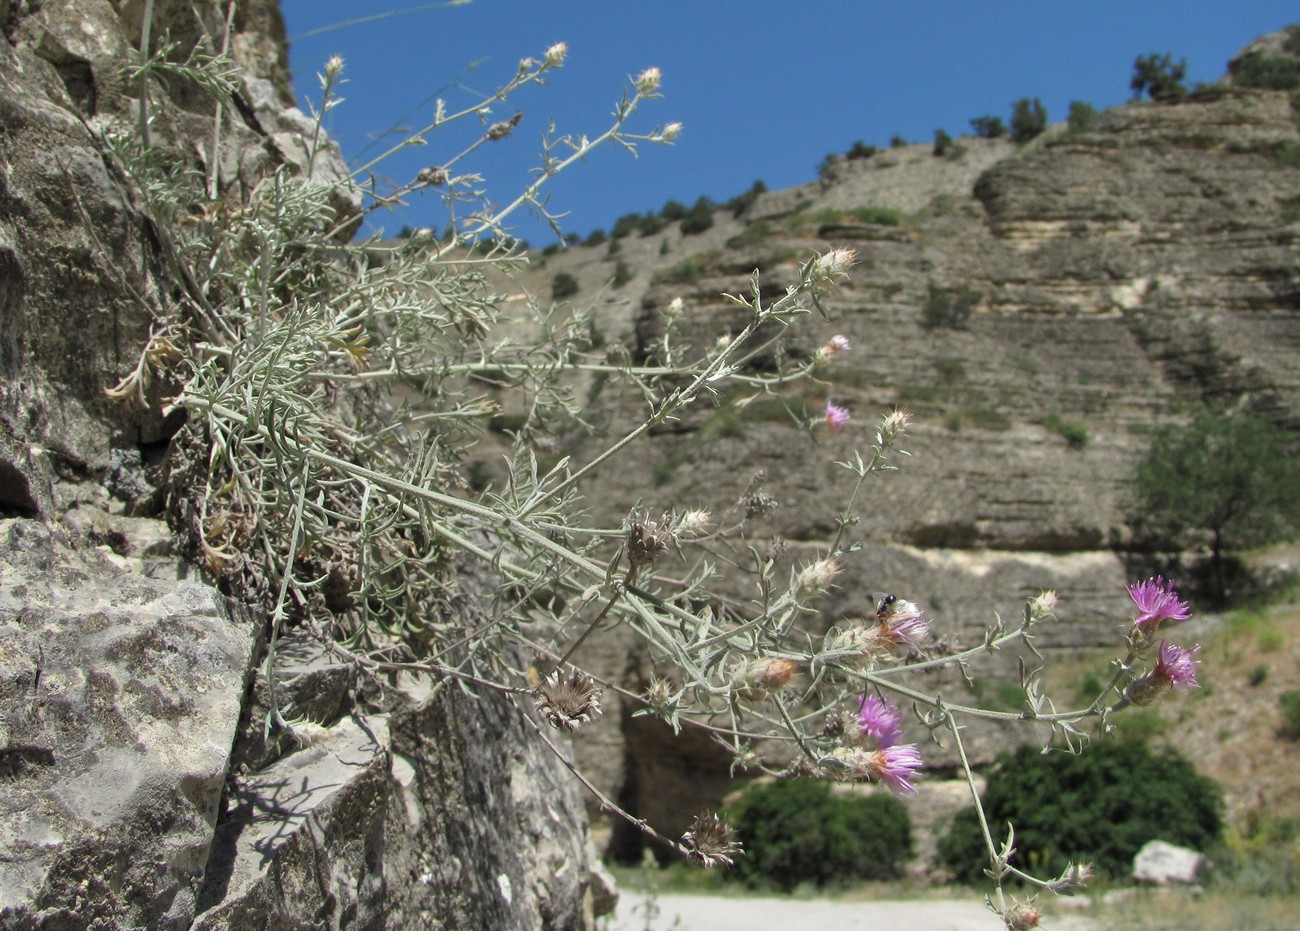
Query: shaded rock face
x,y
1119,275
137,786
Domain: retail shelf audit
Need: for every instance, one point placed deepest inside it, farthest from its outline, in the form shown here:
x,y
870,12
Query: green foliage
x,y
688,269
897,142
672,210
623,273
1099,807
1287,155
800,831
650,224
948,307
989,127
1159,77
625,225
1072,431
742,202
563,285
595,238
860,149
699,218
1232,477
1274,72
880,216
1028,120
1081,117
1290,704
944,147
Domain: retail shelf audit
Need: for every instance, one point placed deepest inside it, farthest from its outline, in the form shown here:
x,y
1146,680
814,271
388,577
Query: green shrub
x,y
594,238
897,142
1159,76
1028,119
699,218
672,211
989,127
623,273
860,149
948,307
1290,702
1072,431
650,224
563,285
1081,117
944,147
800,831
625,225
1098,807
1274,72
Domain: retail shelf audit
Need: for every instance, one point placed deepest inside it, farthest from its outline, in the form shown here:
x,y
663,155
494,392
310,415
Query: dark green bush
x,y
947,307
699,218
989,127
623,273
563,285
1098,807
650,224
800,831
594,238
672,210
897,142
625,225
1028,119
860,149
944,147
1081,117
1158,76
1290,702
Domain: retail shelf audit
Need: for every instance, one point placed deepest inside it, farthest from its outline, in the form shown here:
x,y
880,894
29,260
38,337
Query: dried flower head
x,y
568,702
647,82
504,128
555,55
835,418
1156,602
712,841
646,538
434,176
755,680
758,503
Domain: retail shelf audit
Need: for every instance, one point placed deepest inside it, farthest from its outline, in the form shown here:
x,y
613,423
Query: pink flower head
x,y
835,417
880,722
901,621
895,766
1156,602
1175,667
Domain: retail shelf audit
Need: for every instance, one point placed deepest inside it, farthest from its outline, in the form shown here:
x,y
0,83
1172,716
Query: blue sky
x,y
765,88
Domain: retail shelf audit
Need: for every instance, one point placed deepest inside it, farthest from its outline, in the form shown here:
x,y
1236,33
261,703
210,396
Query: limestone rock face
x,y
121,696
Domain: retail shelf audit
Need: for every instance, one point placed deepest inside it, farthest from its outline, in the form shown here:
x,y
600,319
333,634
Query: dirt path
x,y
715,913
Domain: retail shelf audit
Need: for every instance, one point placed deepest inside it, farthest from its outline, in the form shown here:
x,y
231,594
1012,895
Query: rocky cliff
x,y
137,786
1112,276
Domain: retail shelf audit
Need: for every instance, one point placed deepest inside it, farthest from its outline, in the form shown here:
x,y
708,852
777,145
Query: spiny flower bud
x,y
555,55
760,678
675,308
568,702
1042,606
1022,916
334,67
894,426
670,132
832,266
817,577
694,523
647,82
712,841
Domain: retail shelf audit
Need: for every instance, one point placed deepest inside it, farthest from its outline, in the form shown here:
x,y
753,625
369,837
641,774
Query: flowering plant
x,y
307,486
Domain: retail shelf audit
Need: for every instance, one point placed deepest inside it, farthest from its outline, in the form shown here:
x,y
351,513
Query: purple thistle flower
x,y
901,621
880,721
896,766
1157,601
835,418
1175,667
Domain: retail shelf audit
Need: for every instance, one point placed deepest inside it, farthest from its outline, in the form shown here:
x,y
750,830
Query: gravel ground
x,y
712,913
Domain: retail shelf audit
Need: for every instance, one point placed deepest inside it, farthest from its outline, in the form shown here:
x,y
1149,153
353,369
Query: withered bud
x,y
504,128
646,538
568,702
711,841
